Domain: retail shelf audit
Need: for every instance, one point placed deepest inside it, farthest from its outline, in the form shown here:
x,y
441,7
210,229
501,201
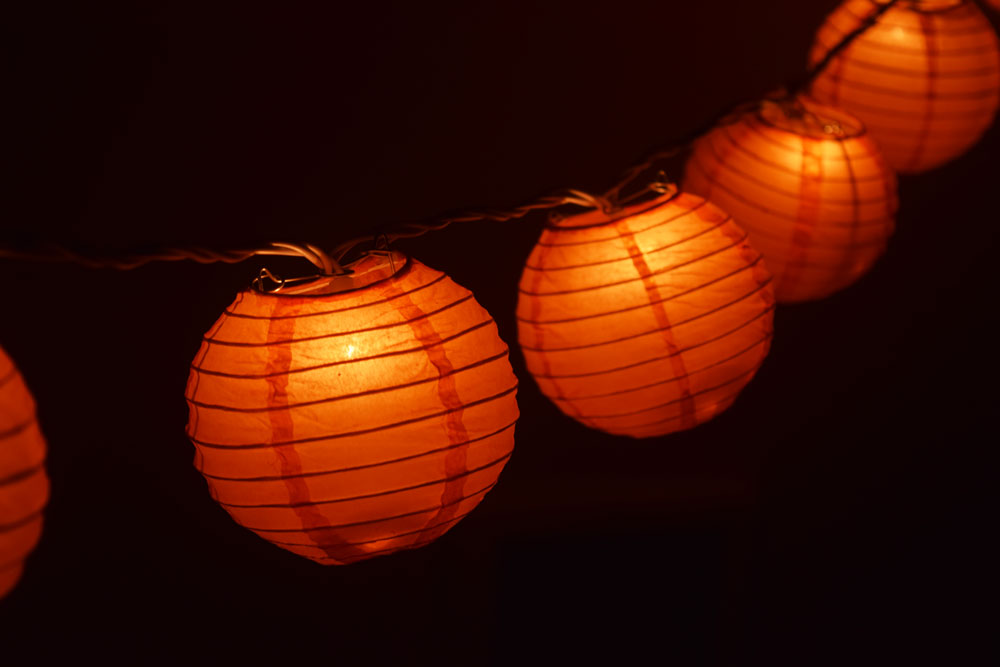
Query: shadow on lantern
x,y
354,415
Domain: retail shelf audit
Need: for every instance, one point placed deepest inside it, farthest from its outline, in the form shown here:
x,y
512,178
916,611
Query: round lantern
x,y
353,416
809,186
24,486
925,79
647,320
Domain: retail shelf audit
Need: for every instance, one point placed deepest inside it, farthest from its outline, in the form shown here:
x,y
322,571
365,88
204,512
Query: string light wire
x,y
333,263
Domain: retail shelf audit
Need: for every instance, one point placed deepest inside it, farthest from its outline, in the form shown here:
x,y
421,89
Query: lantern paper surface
x,y
24,486
925,79
813,191
346,425
647,321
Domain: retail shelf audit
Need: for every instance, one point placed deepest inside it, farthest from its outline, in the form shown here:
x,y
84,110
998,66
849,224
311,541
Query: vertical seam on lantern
x,y
539,329
800,239
687,402
844,269
279,361
927,30
456,460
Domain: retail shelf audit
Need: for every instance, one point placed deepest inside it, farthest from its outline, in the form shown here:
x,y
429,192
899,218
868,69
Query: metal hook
x,y
265,274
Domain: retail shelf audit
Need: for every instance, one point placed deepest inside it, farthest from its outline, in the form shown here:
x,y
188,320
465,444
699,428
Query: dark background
x,y
835,515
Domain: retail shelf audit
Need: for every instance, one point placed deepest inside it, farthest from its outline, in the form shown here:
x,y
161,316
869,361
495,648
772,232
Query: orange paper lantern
x,y
645,321
353,416
925,79
810,187
24,486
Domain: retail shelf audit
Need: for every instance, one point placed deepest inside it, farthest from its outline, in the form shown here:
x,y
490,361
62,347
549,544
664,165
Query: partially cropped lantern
x,y
353,416
24,486
808,184
925,79
647,320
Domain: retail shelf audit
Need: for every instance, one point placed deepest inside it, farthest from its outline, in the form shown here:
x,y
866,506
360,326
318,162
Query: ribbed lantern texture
x,y
24,486
925,79
645,321
347,425
810,187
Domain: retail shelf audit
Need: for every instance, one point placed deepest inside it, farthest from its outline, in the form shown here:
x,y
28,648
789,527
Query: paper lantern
x,y
994,4
353,416
24,486
644,321
809,186
925,79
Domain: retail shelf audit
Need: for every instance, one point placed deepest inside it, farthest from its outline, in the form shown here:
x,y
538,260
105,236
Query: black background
x,y
834,515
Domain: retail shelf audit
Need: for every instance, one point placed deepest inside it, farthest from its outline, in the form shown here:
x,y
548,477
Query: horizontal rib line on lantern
x,y
784,216
878,46
634,231
945,74
22,474
322,473
724,132
471,471
20,523
382,355
16,429
926,95
652,302
660,358
381,327
632,255
642,277
756,344
334,436
941,135
908,113
673,418
674,401
343,397
9,376
369,304
798,196
883,21
393,536
672,325
313,529
818,244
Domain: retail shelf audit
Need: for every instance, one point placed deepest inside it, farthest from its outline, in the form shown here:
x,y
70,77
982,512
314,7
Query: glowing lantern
x,y
353,416
994,4
644,321
24,486
809,186
925,79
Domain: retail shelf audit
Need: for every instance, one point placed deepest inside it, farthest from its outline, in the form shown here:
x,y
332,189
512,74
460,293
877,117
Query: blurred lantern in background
x,y
647,320
994,4
356,415
925,79
810,187
24,486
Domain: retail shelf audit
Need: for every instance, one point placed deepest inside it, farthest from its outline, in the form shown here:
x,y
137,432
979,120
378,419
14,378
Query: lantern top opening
x,y
373,267
599,217
806,117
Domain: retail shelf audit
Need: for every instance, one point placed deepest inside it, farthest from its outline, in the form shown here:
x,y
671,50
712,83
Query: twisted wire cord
x,y
199,255
733,111
412,230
